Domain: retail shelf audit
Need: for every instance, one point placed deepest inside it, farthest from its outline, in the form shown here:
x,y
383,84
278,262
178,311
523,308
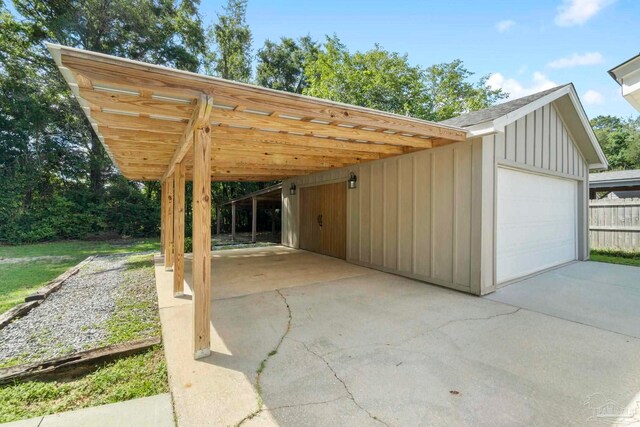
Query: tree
x,y
449,93
53,172
376,79
230,44
387,81
282,65
620,140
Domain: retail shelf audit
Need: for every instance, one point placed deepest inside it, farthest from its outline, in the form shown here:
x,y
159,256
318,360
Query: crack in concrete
x,y
344,385
297,405
263,365
422,333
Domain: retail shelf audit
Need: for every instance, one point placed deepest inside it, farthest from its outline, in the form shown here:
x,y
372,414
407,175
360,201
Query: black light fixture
x,y
352,181
292,189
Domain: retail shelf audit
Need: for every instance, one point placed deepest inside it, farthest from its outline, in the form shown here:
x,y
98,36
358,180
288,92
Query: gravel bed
x,y
49,258
71,319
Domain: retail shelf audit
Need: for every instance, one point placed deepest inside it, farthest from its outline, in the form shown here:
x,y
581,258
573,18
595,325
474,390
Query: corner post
x,y
254,219
168,232
233,221
163,194
202,241
178,229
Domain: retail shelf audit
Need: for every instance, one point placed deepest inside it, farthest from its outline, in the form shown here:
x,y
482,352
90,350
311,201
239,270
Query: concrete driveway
x,y
339,344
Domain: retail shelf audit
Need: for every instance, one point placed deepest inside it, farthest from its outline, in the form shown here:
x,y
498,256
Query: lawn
x,y
128,378
135,317
19,279
616,257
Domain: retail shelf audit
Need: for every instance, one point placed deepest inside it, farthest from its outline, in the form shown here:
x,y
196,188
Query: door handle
x,y
320,220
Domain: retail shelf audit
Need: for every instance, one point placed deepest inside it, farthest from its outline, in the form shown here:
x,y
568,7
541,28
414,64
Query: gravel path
x,y
71,319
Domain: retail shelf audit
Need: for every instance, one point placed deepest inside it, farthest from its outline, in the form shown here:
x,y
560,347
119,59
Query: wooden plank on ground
x,y
76,363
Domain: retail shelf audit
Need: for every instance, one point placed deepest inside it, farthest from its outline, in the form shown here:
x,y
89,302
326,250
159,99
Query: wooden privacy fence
x,y
615,224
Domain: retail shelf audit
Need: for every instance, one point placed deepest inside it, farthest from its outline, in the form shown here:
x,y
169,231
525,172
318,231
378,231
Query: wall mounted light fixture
x,y
292,189
352,181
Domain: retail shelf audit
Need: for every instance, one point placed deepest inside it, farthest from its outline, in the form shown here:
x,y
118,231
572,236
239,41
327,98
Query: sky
x,y
526,46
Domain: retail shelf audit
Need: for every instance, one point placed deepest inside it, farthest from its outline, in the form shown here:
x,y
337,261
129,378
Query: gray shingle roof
x,y
615,176
492,113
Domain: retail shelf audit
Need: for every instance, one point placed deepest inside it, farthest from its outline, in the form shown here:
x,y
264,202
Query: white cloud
x,y
577,12
504,26
592,97
589,58
516,89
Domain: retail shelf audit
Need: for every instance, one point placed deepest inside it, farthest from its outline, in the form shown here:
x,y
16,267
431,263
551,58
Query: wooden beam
x,y
199,118
218,220
124,121
168,247
233,221
254,219
178,229
163,204
239,118
137,104
202,242
228,134
116,71
140,136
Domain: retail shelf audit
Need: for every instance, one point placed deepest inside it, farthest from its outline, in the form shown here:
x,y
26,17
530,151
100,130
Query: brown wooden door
x,y
323,219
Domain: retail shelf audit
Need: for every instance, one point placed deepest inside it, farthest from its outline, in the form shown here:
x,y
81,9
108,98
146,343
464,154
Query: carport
x,y
166,125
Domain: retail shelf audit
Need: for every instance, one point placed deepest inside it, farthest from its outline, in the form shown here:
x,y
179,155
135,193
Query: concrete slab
x,y
153,411
603,295
377,349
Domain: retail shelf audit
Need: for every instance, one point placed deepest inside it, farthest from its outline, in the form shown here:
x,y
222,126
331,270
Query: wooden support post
x,y
163,194
178,230
202,241
254,218
218,220
273,221
168,244
233,221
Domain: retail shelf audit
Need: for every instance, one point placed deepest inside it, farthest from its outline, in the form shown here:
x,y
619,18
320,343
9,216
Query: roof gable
x,y
564,98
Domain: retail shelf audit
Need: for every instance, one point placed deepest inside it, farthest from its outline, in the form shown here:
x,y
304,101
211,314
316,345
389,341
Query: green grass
x,y
20,279
616,257
136,315
128,378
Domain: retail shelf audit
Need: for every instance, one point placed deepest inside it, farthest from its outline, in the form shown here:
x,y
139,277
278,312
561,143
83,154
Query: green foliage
x,y
55,178
230,37
282,65
620,140
132,377
387,81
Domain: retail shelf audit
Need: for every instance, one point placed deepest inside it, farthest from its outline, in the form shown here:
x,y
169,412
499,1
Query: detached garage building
x,y
510,201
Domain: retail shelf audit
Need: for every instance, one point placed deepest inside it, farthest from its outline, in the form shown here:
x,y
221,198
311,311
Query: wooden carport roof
x,y
152,119
145,115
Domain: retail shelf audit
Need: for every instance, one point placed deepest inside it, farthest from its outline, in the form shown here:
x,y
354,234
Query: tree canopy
x,y
55,178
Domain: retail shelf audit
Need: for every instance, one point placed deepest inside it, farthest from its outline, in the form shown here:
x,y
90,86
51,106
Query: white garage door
x,y
536,223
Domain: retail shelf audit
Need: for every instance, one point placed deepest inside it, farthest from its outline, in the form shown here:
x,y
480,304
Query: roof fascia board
x,y
603,164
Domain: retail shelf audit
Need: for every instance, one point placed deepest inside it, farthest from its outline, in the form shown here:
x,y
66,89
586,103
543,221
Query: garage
x,y
508,202
536,223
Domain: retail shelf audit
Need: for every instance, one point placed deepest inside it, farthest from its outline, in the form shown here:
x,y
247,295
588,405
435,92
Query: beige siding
x,y
410,215
538,142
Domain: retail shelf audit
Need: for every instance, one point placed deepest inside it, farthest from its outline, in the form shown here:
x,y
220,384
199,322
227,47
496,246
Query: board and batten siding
x,y
539,143
416,215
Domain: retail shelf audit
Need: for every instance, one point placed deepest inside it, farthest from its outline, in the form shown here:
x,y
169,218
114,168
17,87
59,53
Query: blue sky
x,y
526,45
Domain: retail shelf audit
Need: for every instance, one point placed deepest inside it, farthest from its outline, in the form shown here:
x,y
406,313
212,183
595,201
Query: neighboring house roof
x,y
627,75
565,99
615,179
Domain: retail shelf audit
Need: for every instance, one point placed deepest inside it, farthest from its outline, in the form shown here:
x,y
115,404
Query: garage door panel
x,y
536,223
